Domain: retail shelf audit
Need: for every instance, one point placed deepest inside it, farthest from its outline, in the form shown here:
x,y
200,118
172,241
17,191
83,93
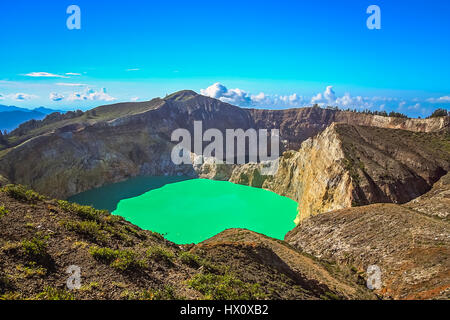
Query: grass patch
x,y
195,261
168,293
50,293
8,296
91,229
123,260
31,270
190,259
84,212
225,287
36,248
3,211
22,193
160,254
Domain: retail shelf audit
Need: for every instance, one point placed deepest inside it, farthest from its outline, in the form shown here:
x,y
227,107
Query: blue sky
x,y
263,53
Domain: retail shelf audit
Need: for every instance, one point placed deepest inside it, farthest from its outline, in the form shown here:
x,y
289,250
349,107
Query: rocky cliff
x,y
349,165
436,202
411,249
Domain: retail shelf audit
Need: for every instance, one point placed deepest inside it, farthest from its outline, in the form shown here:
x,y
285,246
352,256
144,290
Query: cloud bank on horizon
x,y
76,93
328,98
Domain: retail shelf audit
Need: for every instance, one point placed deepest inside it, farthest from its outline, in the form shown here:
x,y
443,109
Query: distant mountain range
x,y
11,117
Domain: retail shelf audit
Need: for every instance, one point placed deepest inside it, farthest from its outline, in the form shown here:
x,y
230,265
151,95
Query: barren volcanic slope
x,y
41,238
411,248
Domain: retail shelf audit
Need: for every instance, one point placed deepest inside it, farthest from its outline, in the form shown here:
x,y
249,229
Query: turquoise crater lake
x,y
190,211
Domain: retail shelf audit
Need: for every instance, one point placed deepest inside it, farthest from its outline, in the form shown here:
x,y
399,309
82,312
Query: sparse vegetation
x,y
225,287
160,254
51,293
84,212
22,193
195,261
123,260
31,269
3,211
36,248
439,113
90,229
190,259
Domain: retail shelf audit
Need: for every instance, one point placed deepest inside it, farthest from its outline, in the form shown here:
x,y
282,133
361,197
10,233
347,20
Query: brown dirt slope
x,y
255,256
40,238
391,165
411,249
436,202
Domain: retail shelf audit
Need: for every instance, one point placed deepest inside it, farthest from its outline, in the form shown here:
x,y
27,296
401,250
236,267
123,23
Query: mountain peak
x,y
182,95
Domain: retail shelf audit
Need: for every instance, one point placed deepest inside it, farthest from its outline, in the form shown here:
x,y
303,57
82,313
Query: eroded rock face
x,y
411,249
348,165
314,176
3,181
62,157
436,202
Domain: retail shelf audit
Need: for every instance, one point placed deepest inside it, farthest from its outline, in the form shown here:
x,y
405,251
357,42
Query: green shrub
x,y
127,260
160,254
22,193
31,270
51,293
3,211
120,259
84,212
105,255
35,248
190,259
195,261
90,229
225,287
168,293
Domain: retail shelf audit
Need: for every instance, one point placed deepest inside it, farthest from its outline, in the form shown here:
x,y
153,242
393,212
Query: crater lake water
x,y
192,210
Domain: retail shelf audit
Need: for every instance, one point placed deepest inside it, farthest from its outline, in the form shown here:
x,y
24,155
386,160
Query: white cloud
x,y
414,107
56,96
91,95
44,75
2,97
324,99
133,69
73,74
328,97
22,96
242,98
65,84
134,99
232,96
444,99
